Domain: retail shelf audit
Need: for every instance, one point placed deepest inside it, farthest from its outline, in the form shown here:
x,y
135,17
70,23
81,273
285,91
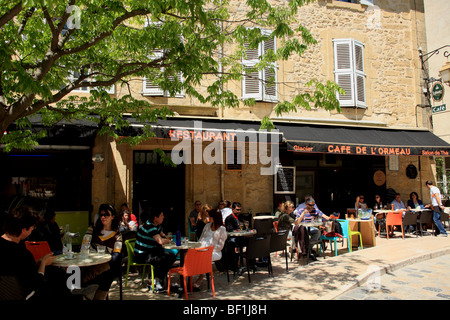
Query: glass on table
x,y
246,224
241,226
101,249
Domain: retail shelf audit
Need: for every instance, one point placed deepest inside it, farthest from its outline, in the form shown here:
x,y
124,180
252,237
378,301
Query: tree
x,y
49,48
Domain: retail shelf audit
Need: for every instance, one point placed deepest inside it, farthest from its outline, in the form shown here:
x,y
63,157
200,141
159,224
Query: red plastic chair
x,y
394,219
197,261
38,248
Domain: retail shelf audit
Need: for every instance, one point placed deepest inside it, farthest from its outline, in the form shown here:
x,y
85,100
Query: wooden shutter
x,y
251,82
149,86
270,74
349,72
254,83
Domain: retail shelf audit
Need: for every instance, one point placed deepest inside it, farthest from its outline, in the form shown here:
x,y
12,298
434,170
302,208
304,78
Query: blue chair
x,y
348,234
331,247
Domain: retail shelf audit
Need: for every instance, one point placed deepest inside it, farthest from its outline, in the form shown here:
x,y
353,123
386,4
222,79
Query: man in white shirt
x,y
436,202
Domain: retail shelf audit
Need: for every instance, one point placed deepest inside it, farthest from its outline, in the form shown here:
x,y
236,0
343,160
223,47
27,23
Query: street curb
x,y
362,279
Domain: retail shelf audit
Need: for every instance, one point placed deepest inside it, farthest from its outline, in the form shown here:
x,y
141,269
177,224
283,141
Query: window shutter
x,y
359,74
270,74
251,84
149,86
349,72
254,83
344,71
179,94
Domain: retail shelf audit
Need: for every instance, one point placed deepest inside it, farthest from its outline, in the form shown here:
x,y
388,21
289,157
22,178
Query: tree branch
x,y
8,16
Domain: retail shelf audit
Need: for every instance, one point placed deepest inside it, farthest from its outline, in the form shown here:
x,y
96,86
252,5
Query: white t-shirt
x,y
225,213
433,192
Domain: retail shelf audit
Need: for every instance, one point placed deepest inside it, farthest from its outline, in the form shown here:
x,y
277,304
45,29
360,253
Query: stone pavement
x,y
326,279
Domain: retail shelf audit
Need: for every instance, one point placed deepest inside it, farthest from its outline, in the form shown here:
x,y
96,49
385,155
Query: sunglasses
x,y
105,215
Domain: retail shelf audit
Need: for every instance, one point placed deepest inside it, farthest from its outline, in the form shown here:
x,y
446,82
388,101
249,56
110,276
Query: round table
x,y
92,260
241,233
186,246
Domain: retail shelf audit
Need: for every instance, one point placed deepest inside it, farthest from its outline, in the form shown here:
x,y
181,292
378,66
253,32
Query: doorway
x,y
156,185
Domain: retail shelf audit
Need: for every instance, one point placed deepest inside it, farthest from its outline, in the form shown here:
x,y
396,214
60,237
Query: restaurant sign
x,y
367,150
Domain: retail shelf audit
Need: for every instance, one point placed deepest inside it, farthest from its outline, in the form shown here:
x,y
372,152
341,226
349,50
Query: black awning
x,y
205,130
361,140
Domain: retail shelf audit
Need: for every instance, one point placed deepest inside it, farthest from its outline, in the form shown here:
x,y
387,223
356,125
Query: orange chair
x,y
197,261
394,219
38,248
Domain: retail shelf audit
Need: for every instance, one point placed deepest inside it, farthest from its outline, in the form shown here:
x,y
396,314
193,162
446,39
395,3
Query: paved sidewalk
x,y
324,279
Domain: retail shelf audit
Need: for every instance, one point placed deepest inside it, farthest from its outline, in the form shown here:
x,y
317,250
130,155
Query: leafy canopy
x,y
49,48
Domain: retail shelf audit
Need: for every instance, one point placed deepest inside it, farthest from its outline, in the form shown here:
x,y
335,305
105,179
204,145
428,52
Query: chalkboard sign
x,y
285,180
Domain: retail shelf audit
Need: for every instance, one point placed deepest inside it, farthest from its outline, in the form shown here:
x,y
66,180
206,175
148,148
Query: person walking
x,y
438,208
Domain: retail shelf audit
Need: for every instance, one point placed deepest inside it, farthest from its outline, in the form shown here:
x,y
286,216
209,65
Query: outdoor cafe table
x,y
92,260
183,248
367,229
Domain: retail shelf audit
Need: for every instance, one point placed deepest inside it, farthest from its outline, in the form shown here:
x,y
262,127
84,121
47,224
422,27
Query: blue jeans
x,y
437,220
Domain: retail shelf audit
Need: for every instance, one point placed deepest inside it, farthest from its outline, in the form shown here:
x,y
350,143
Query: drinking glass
x,y
246,225
101,249
241,226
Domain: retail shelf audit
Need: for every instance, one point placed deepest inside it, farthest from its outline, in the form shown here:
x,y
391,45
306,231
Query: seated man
x,y
308,214
398,205
231,224
149,248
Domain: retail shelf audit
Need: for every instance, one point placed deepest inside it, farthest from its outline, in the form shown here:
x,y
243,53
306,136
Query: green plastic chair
x,y
130,243
348,233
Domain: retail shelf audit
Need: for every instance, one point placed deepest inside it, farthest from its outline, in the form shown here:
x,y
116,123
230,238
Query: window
x,y
255,82
151,87
349,72
75,75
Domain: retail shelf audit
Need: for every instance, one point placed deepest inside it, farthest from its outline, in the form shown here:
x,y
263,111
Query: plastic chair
x,y
278,242
130,243
38,248
394,219
197,261
192,231
348,234
410,219
426,217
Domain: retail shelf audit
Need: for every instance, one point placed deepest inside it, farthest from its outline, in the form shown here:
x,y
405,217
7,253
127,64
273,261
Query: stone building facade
x,y
389,33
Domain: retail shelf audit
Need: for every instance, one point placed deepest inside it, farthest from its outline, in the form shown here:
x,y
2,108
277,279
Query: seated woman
x,y
105,233
202,220
214,234
414,202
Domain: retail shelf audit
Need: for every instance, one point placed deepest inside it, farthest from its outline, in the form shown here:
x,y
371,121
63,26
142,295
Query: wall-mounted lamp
x,y
445,72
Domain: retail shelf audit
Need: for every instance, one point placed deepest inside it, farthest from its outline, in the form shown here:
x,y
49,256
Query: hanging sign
x,y
437,91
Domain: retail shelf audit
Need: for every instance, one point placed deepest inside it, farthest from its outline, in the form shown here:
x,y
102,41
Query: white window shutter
x,y
149,87
349,72
270,74
251,82
343,71
359,74
179,94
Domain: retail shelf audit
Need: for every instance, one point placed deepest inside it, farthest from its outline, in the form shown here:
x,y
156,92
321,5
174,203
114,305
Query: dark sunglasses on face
x,y
104,215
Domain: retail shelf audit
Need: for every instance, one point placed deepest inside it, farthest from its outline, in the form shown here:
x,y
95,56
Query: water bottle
x,y
178,237
67,243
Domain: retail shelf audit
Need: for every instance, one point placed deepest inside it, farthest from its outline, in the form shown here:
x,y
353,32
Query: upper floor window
x,y
260,85
349,72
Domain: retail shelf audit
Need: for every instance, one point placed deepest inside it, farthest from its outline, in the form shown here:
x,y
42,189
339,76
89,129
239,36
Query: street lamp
x,y
445,71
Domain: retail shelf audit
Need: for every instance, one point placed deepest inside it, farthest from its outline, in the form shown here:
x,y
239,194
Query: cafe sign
x,y
437,91
438,108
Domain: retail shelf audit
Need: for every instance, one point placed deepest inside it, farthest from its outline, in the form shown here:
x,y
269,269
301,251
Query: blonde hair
x,y
288,203
203,214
